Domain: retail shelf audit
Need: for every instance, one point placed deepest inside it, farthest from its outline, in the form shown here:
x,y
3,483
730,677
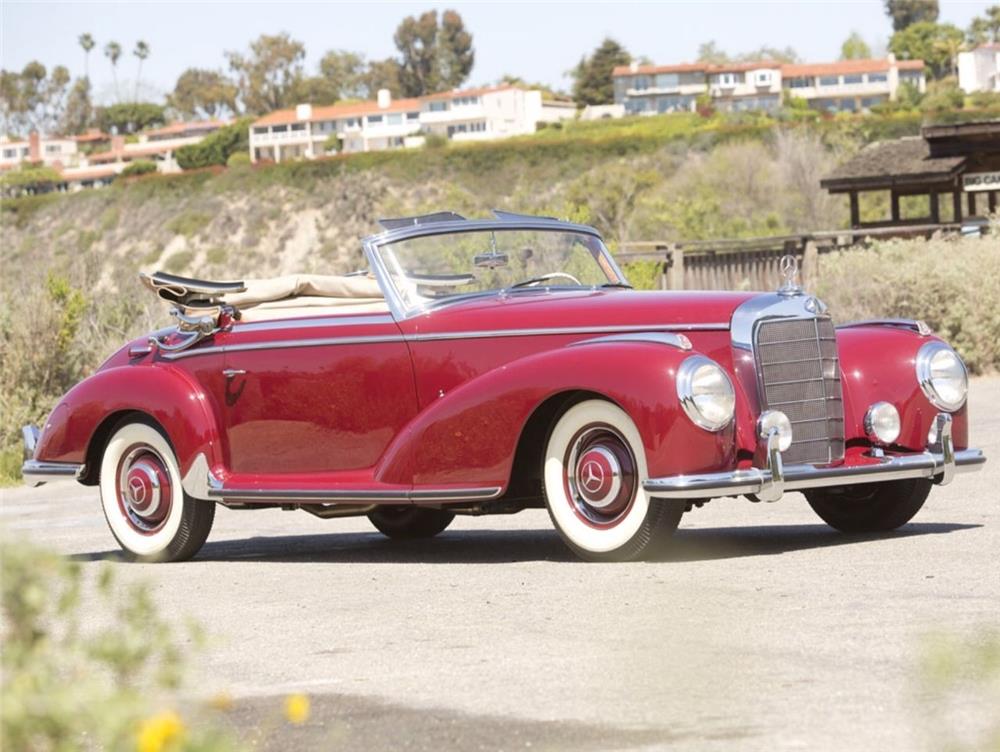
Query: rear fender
x,y
470,435
164,393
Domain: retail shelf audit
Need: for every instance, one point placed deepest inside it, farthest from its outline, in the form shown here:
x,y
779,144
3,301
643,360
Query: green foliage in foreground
x,y
108,685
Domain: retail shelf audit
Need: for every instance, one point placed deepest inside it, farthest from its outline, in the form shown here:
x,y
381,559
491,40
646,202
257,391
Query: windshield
x,y
430,269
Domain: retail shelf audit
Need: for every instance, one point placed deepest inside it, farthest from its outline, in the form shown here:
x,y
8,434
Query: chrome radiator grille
x,y
800,375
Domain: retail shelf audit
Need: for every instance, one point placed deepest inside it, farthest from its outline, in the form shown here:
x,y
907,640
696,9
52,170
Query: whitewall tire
x,y
593,470
144,502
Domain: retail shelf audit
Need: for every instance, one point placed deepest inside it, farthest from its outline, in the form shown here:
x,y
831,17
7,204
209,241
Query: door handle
x,y
232,373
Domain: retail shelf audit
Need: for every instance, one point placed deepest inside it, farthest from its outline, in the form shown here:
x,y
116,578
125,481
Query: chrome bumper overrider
x,y
939,462
36,472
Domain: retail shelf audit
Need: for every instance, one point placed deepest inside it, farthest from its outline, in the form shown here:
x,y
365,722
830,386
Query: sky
x,y
538,41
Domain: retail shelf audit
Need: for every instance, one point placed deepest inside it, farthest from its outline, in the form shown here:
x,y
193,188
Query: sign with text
x,y
981,181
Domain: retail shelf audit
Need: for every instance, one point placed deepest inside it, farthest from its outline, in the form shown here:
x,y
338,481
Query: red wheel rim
x,y
599,475
143,489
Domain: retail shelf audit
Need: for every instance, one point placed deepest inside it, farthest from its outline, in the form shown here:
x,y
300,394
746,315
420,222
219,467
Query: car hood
x,y
596,308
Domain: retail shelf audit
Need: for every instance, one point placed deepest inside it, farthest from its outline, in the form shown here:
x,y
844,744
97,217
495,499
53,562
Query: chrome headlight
x,y
706,393
942,376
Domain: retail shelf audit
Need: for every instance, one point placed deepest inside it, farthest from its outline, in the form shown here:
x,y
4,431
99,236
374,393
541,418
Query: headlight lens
x,y
706,393
942,376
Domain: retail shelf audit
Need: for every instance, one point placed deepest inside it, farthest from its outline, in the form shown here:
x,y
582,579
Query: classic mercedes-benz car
x,y
489,366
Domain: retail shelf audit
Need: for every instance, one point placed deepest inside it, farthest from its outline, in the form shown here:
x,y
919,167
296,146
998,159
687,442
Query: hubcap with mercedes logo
x,y
144,490
600,475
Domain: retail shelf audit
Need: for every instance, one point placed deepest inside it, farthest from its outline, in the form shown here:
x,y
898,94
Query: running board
x,y
323,495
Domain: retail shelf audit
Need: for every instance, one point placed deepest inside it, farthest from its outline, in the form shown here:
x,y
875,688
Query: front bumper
x,y
36,472
939,462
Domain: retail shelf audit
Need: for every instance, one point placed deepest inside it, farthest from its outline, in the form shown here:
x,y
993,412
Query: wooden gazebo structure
x,y
957,163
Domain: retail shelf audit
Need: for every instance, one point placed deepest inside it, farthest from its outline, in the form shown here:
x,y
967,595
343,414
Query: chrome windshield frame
x,y
400,310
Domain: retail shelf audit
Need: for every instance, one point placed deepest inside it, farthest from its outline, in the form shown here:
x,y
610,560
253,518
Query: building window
x,y
394,119
413,116
9,153
829,80
373,119
438,106
52,148
729,79
762,78
260,131
351,123
800,82
279,128
673,104
298,126
464,101
877,78
641,83
636,106
854,78
667,80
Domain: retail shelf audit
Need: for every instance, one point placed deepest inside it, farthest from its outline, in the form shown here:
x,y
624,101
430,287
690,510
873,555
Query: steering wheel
x,y
545,278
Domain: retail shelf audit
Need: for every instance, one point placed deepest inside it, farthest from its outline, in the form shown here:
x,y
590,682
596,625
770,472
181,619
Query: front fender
x,y
878,363
163,392
470,435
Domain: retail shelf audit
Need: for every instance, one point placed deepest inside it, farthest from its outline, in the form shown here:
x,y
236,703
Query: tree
x,y
87,42
216,148
929,42
433,56
266,77
130,117
383,74
201,93
141,51
593,82
855,48
34,99
949,45
346,70
79,112
709,52
113,51
455,53
986,28
905,13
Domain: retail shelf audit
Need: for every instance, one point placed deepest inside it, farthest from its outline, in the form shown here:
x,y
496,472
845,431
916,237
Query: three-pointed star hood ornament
x,y
789,268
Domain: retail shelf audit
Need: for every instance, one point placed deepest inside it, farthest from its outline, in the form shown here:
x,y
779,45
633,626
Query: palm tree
x,y
113,51
141,51
87,42
951,46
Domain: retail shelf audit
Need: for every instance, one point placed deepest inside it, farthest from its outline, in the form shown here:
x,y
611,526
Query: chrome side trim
x,y
284,344
717,326
660,338
920,327
321,494
383,338
37,472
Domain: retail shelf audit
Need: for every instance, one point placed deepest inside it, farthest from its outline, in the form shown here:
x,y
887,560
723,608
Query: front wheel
x,y
871,507
593,469
144,502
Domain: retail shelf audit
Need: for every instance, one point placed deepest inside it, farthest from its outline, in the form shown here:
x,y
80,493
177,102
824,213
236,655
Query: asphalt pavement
x,y
763,629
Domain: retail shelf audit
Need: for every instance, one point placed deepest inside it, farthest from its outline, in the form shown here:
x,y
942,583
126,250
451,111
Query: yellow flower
x,y
159,731
297,708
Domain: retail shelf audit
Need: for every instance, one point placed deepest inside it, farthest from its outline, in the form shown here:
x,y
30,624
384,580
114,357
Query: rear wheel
x,y
144,502
593,469
403,522
871,507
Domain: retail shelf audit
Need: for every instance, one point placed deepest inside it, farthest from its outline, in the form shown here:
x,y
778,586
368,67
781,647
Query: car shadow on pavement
x,y
508,546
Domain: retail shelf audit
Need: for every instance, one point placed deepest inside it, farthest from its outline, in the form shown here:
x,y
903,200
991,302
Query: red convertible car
x,y
488,366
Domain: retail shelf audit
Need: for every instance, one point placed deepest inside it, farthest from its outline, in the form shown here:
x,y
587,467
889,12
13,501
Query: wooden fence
x,y
752,264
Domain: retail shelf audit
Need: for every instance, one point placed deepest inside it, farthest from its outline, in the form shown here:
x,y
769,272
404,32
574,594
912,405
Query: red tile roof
x,y
845,67
180,128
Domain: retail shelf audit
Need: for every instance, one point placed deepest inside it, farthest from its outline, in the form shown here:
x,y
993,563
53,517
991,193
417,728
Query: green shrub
x,y
189,223
238,159
138,167
953,284
216,148
178,262
100,678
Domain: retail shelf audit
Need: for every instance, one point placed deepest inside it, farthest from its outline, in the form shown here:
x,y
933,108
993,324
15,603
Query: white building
x,y
853,85
978,69
54,152
470,115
